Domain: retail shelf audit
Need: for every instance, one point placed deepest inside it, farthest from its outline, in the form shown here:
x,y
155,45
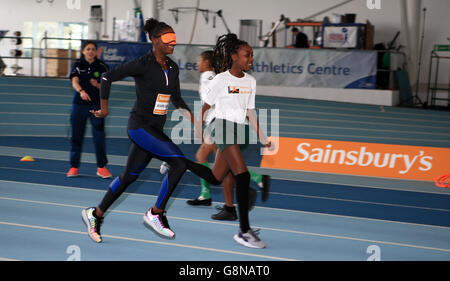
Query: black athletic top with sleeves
x,y
154,89
86,71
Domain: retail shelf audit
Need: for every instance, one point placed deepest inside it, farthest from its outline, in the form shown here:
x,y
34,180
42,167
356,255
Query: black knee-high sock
x,y
242,186
202,171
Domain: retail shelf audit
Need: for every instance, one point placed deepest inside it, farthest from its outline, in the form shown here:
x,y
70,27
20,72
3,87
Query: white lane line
x,y
234,225
285,118
147,241
55,104
52,125
60,87
360,201
287,134
368,109
261,207
279,174
282,132
55,114
272,192
95,176
8,259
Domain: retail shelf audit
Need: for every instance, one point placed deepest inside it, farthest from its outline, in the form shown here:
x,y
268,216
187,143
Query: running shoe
x,y
93,224
104,173
199,202
265,187
249,239
164,168
225,215
73,172
158,223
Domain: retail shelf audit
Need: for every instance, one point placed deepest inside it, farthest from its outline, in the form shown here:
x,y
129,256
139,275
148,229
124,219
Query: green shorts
x,y
225,133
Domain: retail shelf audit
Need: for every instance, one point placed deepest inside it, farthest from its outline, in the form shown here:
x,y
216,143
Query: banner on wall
x,y
186,57
116,53
357,158
271,66
295,67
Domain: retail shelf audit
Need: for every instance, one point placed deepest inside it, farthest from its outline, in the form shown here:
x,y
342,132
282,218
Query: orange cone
x,y
27,159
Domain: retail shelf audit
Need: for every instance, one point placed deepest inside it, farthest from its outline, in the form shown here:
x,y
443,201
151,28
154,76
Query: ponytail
x,y
226,45
153,27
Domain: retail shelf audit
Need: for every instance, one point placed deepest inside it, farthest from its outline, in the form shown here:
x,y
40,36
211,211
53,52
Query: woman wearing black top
x,y
157,83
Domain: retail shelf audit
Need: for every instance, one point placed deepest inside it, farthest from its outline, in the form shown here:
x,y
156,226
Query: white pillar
x,y
105,20
414,19
411,22
151,10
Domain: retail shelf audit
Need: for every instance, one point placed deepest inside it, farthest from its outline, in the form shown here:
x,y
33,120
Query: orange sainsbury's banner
x,y
358,158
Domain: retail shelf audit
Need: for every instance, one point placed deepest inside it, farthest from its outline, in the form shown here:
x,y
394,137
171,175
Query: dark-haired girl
x,y
157,83
85,76
232,93
205,64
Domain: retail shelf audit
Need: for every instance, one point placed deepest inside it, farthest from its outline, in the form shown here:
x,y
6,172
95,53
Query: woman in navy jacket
x,y
85,76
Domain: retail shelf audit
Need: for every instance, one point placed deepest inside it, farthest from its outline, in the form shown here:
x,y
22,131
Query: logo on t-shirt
x,y
233,90
238,90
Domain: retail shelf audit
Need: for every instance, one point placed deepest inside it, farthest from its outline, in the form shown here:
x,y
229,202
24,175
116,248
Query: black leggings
x,y
146,144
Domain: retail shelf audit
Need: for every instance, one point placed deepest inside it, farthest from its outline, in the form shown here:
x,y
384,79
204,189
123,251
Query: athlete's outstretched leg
x,y
170,181
138,159
202,157
93,217
155,217
203,172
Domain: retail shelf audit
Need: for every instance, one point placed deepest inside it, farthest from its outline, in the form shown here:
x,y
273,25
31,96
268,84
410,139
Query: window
x,y
74,30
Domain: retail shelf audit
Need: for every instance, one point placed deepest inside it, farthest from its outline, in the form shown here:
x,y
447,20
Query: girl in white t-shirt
x,y
232,93
228,211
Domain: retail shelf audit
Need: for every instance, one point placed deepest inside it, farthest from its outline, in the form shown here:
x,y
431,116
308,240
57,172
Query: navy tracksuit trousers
x,y
78,118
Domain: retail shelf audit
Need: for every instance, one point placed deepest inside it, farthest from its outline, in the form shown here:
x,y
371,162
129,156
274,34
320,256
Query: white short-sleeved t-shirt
x,y
205,79
231,96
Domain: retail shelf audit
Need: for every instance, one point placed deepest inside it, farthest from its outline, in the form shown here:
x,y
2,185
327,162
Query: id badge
x,y
161,104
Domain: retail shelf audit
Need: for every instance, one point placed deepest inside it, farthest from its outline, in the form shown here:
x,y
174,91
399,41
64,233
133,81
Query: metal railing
x,y
43,51
433,87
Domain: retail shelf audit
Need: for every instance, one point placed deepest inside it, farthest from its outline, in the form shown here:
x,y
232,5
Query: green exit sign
x,y
441,48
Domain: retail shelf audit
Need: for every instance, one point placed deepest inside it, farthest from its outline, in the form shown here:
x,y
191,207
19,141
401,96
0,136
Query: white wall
x,y
14,12
387,21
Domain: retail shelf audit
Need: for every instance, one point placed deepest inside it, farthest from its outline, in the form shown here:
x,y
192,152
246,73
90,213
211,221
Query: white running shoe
x,y
158,223
164,168
93,225
249,239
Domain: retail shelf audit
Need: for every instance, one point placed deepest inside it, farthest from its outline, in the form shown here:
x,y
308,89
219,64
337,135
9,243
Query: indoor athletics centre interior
x,y
354,97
